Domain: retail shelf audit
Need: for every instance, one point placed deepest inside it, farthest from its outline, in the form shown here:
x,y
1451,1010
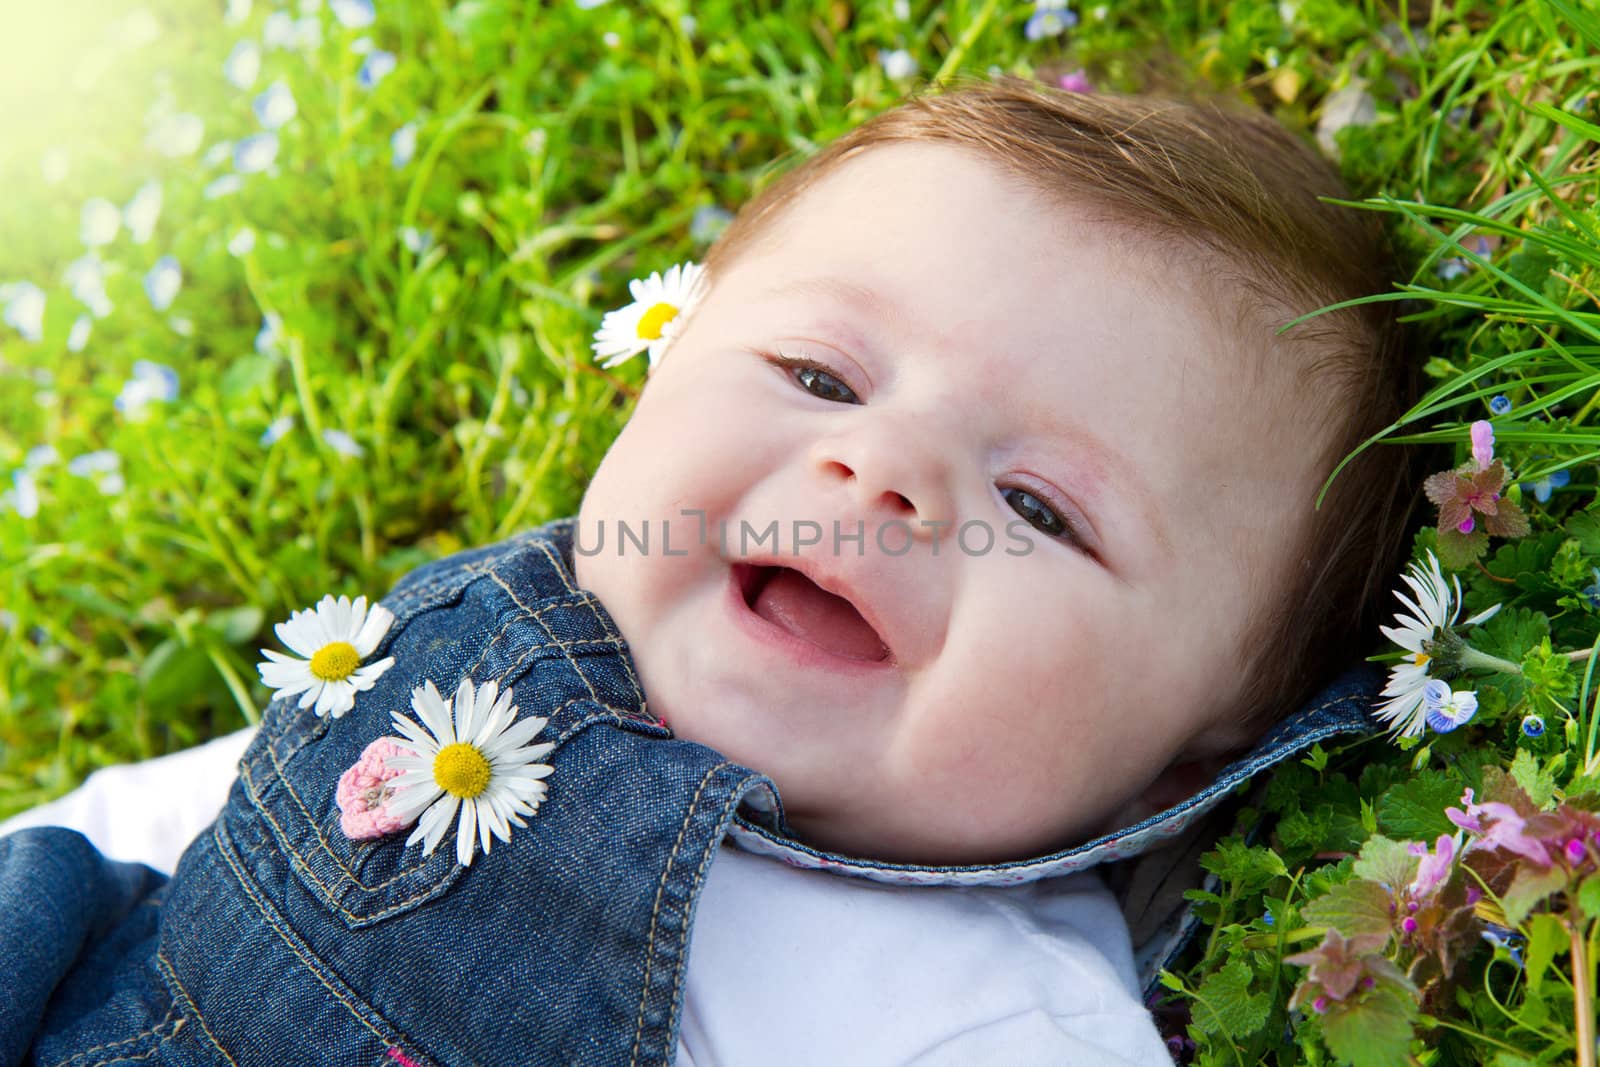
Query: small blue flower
x,y
403,142
79,337
1542,487
343,443
418,242
276,430
255,153
278,30
99,222
24,308
176,135
151,383
1267,918
243,64
375,68
275,106
24,494
1454,267
242,243
141,213
1503,937
161,285
1446,710
1532,726
353,14
1049,22
41,456
86,277
226,185
708,223
897,63
102,462
1500,405
268,336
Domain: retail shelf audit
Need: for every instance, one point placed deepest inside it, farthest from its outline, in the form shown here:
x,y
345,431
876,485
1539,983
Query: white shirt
x,y
788,966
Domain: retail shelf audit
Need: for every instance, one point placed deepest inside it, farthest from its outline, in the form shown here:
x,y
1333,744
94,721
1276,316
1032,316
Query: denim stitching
x,y
299,862
700,875
655,910
171,973
76,1056
349,875
357,1009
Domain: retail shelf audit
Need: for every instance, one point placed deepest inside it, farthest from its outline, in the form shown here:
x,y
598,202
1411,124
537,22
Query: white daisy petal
x,y
373,629
1433,608
453,786
465,826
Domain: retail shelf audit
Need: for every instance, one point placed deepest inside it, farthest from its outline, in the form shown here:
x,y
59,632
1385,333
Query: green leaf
x,y
1512,633
1374,1031
1224,1003
1538,783
1247,868
1531,886
1589,897
1415,809
1584,528
1318,758
1356,907
1386,862
1546,935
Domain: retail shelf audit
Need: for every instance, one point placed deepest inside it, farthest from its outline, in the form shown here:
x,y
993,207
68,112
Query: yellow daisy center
x,y
335,662
461,770
655,320
1419,658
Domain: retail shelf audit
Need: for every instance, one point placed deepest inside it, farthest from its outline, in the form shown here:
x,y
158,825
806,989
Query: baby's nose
x,y
889,480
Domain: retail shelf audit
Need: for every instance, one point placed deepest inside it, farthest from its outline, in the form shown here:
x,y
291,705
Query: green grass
x,y
559,153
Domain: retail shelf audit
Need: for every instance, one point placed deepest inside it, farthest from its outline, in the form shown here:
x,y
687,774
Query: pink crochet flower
x,y
364,793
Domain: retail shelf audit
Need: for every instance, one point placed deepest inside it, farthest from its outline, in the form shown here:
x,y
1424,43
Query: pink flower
x,y
364,792
1435,867
1506,831
1075,82
1482,443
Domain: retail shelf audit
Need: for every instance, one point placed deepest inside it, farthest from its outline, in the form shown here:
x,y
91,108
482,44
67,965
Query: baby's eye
x,y
816,379
1038,514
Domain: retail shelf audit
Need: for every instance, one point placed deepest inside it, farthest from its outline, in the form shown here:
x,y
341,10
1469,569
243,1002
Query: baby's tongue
x,y
797,604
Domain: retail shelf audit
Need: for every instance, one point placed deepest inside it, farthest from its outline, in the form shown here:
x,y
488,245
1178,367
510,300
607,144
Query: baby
x,y
964,520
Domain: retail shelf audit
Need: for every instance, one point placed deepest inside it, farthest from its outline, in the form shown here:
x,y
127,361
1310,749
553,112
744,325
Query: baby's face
x,y
975,362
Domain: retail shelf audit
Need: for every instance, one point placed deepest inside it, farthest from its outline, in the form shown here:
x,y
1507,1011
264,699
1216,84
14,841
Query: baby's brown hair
x,y
1235,195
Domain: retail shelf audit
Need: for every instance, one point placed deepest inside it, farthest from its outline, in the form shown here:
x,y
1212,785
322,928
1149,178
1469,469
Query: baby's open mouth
x,y
794,603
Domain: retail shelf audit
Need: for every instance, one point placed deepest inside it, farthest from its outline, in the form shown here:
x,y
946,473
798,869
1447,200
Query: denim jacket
x,y
280,940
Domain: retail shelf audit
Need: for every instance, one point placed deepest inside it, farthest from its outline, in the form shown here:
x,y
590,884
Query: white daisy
x,y
1432,613
332,640
479,763
660,307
